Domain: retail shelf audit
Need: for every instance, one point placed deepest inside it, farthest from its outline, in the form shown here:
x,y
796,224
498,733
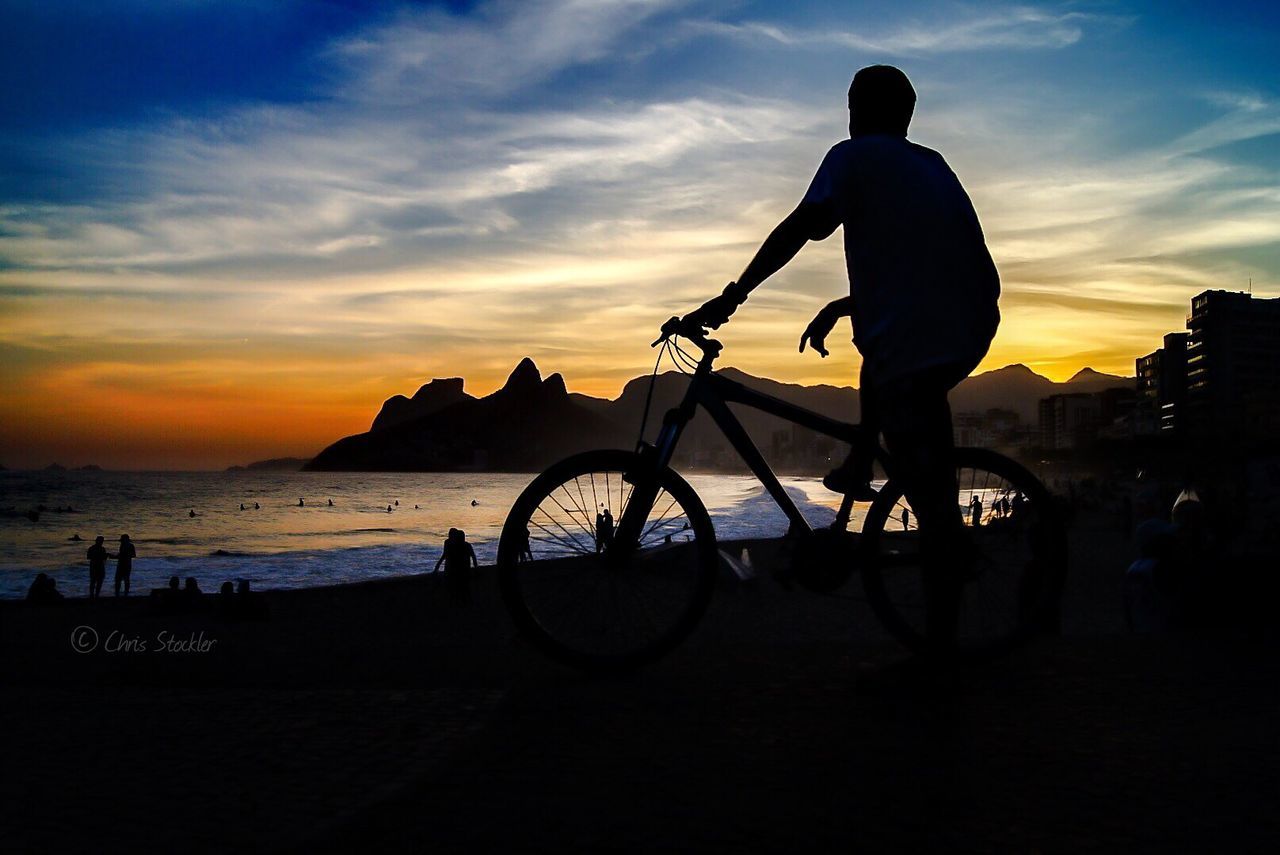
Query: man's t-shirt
x,y
125,556
924,286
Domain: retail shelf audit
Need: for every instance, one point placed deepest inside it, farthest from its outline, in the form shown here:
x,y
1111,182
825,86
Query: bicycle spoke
x,y
572,539
589,531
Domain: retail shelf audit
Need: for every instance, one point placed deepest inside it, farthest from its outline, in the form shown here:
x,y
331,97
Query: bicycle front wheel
x,y
593,603
1007,584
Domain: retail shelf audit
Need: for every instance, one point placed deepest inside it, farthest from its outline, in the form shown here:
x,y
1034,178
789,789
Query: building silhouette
x,y
1077,420
1233,369
1162,388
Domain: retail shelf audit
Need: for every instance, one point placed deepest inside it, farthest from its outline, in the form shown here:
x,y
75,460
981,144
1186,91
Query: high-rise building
x,y
1233,368
1162,388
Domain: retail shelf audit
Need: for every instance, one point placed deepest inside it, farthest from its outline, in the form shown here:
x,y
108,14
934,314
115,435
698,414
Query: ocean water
x,y
282,545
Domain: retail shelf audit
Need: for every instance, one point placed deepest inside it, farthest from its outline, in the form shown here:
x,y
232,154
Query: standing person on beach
x,y
459,558
124,563
97,556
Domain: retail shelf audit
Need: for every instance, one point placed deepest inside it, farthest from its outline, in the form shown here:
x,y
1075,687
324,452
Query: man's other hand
x,y
816,333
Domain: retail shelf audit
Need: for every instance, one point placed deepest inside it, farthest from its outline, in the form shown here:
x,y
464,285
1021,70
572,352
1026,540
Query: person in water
x,y
124,556
97,556
459,559
923,295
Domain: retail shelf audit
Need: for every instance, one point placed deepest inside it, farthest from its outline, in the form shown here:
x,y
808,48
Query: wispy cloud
x,y
1012,28
427,55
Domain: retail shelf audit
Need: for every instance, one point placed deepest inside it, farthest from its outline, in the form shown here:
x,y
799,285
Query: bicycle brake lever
x,y
670,328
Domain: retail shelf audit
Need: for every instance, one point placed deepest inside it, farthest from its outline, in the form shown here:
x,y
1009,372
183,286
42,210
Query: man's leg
x,y
855,473
916,421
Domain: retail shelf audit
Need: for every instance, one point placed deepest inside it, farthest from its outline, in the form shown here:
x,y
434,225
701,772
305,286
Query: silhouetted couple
x,y
604,528
240,602
177,597
98,555
459,559
44,591
923,302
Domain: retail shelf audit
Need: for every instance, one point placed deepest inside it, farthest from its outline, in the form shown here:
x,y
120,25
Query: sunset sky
x,y
229,230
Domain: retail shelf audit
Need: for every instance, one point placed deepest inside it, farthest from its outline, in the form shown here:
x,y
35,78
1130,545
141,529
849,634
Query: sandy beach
x,y
381,716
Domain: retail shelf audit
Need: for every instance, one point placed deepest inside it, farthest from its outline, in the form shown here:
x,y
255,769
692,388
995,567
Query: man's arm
x,y
807,222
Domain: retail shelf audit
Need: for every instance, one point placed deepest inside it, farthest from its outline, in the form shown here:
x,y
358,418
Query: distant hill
x,y
275,464
1088,380
531,422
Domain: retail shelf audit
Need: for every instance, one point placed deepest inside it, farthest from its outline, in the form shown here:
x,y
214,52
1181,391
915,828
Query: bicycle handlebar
x,y
691,331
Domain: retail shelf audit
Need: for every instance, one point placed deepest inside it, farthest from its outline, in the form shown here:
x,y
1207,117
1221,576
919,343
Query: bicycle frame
x,y
714,393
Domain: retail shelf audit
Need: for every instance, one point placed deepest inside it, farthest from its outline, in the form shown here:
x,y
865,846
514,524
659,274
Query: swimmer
x,y
331,503
474,503
301,504
242,506
256,506
191,513
388,509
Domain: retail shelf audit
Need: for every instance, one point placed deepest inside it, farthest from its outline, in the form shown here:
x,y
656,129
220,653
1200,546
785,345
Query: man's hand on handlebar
x,y
716,311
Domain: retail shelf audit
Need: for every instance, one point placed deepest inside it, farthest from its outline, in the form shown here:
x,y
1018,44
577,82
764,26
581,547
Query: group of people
x,y
1002,508
235,600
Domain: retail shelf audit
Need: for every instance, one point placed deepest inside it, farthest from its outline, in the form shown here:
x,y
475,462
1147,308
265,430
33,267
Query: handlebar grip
x,y
692,331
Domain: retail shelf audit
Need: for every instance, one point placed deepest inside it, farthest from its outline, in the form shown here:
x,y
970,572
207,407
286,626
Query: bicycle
x,y
602,597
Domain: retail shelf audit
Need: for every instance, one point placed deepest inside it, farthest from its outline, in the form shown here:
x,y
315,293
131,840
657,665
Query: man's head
x,y
881,101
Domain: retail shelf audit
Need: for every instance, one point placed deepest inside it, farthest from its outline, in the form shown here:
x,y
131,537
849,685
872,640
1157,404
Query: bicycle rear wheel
x,y
1010,584
590,602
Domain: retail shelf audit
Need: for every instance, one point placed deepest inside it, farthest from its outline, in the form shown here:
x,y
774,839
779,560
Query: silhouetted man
x,y
97,556
923,295
124,563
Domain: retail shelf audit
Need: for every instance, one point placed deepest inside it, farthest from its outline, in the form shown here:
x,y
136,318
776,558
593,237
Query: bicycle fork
x,y
644,478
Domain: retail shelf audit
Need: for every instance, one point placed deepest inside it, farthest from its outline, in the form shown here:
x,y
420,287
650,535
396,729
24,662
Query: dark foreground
x,y
380,717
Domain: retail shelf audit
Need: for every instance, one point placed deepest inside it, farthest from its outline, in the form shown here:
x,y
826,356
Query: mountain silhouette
x,y
531,422
528,423
430,398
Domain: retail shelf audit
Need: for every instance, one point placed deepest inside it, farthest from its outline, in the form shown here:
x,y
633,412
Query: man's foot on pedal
x,y
843,480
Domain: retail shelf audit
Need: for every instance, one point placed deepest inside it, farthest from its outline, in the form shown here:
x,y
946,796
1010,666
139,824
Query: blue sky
x,y
298,209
